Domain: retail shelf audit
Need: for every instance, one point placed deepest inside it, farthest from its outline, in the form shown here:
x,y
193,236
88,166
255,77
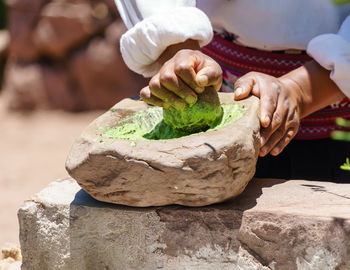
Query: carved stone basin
x,y
195,170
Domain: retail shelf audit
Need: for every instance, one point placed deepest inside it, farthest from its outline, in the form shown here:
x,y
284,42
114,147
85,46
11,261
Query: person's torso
x,y
275,24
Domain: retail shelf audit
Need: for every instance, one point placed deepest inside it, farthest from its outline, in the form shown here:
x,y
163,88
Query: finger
x,y
284,141
185,70
170,81
243,86
210,75
279,115
164,94
293,127
269,93
272,141
147,97
169,97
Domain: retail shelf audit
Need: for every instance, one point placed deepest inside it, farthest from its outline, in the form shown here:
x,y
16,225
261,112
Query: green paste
x,y
150,125
194,118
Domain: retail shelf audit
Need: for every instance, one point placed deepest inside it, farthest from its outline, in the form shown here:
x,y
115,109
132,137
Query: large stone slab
x,y
274,224
196,170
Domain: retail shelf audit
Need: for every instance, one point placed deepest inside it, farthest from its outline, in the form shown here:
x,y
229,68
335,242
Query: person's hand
x,y
181,78
280,108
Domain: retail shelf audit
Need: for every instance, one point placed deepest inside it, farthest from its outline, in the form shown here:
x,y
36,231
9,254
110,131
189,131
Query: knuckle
x,y
182,52
295,122
182,67
277,117
218,73
154,83
252,73
276,86
167,77
271,101
280,132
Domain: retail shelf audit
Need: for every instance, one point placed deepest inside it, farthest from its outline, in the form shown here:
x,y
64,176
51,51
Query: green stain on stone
x,y
150,125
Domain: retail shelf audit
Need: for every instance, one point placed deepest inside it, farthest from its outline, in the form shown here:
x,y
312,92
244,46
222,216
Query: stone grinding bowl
x,y
196,170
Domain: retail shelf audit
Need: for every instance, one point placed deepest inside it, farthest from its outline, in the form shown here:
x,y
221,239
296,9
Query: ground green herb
x,y
150,125
193,118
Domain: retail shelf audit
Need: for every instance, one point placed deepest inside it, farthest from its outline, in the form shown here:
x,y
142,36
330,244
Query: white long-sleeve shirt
x,y
318,26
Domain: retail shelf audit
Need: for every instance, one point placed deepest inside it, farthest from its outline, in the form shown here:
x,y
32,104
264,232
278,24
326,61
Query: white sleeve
x,y
155,26
332,51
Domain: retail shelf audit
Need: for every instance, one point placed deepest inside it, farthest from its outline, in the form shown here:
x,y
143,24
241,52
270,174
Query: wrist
x,y
295,90
315,88
173,49
299,83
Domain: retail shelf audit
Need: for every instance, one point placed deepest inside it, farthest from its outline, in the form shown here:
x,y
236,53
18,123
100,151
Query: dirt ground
x,y
33,149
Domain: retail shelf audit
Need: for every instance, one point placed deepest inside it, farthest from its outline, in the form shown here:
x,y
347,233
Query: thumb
x,y
210,75
243,87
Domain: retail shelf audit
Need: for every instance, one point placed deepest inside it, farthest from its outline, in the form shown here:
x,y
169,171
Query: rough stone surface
x,y
34,86
22,19
201,169
102,76
274,224
73,45
4,44
64,25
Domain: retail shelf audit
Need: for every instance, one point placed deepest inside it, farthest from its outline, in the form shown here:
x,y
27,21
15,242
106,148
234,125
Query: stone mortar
x,y
196,170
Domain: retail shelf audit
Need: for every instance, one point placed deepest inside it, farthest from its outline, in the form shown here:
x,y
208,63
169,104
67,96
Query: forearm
x,y
173,49
316,88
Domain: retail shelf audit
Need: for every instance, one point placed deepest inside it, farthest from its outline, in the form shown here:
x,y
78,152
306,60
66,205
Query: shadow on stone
x,y
318,188
176,230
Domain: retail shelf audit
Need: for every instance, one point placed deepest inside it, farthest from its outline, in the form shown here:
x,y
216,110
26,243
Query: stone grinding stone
x,y
274,224
196,170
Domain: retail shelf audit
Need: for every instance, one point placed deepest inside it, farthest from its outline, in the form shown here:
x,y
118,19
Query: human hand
x,y
181,78
280,108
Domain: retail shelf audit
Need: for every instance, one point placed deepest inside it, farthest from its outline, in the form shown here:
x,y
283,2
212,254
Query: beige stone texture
x,y
70,50
22,19
65,25
197,170
35,86
101,75
273,224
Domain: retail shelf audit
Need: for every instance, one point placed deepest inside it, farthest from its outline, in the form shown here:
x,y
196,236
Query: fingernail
x,y
179,105
199,89
275,151
266,120
191,99
238,91
202,80
263,151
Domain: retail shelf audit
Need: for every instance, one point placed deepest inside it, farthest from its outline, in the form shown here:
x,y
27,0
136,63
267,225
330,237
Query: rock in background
x,y
4,44
64,54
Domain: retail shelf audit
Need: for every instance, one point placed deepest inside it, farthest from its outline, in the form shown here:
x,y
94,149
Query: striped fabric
x,y
236,60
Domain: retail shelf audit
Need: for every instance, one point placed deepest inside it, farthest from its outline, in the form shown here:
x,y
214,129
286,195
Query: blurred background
x,y
60,67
